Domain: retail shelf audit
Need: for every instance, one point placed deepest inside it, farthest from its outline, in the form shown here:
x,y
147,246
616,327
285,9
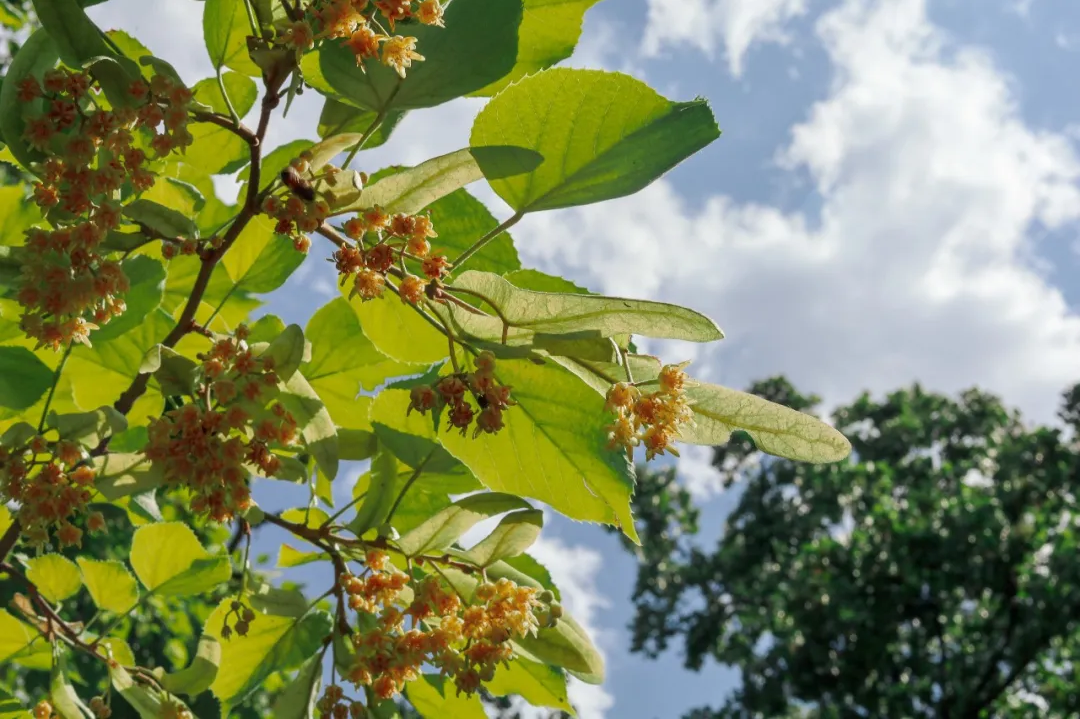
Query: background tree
x,y
932,574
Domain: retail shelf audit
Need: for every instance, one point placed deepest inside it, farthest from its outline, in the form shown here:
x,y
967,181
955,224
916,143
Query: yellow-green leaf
x,y
778,430
435,697
553,448
398,331
602,135
344,361
56,577
528,312
110,584
446,527
168,560
516,532
541,685
225,28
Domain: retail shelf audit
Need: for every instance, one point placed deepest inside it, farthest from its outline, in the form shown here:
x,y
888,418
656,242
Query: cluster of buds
x,y
233,421
395,239
333,704
67,287
241,624
464,639
358,25
450,391
100,708
43,710
175,710
52,483
652,419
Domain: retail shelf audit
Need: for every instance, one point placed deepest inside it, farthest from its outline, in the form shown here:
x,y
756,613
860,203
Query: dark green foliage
x,y
933,574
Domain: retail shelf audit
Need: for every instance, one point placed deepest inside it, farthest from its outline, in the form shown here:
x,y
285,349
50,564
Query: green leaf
x,y
461,220
398,331
409,435
447,527
175,374
37,55
516,532
64,700
82,45
540,282
539,684
146,278
478,46
534,570
356,444
110,584
410,191
196,677
19,639
337,118
5,519
169,561
10,707
383,490
19,213
298,699
261,261
225,28
116,649
161,220
56,577
88,428
436,698
527,311
287,351
603,135
549,31
314,422
775,429
265,329
268,599
344,361
216,149
559,424
121,475
23,378
273,643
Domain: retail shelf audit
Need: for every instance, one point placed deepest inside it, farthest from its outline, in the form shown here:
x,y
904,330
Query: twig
x,y
479,244
409,483
55,383
375,125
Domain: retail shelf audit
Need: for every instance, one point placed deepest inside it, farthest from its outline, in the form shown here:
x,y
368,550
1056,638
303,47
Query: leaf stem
x,y
484,298
52,390
408,484
479,244
375,125
228,101
251,19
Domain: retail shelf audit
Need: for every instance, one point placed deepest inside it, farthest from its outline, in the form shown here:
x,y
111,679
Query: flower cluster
x,y
299,212
395,239
100,708
67,287
52,483
652,419
358,25
464,639
449,391
233,421
334,704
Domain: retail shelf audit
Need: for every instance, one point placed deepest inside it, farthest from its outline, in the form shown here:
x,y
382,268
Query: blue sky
x,y
895,197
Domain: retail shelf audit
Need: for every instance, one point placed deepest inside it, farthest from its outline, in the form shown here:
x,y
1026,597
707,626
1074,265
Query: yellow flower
x,y
399,53
430,12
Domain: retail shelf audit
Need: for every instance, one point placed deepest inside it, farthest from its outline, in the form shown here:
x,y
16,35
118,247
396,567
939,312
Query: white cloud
x,y
703,24
932,190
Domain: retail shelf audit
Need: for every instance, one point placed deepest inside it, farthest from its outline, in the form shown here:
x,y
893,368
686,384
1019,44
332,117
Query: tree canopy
x,y
931,574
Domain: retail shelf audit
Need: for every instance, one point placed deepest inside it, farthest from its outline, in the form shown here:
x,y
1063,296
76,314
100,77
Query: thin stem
x,y
355,501
220,306
375,125
331,234
121,617
56,382
409,483
479,244
254,23
228,101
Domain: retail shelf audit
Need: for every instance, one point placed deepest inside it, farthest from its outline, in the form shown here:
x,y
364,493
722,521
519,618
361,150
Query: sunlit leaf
x,y
110,584
23,378
447,527
225,28
602,135
168,560
541,685
515,533
435,697
56,577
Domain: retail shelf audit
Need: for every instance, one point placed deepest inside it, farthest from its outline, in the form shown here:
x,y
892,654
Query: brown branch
x,y
8,541
185,323
220,120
